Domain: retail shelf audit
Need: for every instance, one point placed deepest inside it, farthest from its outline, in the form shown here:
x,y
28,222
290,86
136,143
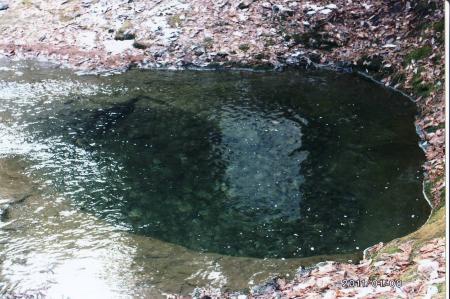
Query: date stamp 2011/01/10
x,y
361,283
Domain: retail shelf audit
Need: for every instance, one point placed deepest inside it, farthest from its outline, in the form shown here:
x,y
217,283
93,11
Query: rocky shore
x,y
398,43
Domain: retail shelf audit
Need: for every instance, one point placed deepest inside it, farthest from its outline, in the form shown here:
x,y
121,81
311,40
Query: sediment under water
x,y
260,165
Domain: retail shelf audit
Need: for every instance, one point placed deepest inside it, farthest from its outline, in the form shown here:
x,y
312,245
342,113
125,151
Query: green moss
x,y
441,290
298,38
409,275
398,77
244,47
433,129
391,250
27,2
434,228
261,56
270,42
174,21
374,276
208,42
122,33
419,53
439,26
420,87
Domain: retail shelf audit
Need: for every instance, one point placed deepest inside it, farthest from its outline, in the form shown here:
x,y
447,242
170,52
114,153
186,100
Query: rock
x,y
222,54
86,3
187,59
267,288
245,4
325,11
198,51
331,6
3,212
124,35
142,44
135,214
429,268
125,32
282,11
4,6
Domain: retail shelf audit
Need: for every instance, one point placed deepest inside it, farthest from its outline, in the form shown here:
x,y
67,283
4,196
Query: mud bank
x,y
400,43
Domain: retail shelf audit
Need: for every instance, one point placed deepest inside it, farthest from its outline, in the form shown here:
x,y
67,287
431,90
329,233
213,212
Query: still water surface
x,y
164,170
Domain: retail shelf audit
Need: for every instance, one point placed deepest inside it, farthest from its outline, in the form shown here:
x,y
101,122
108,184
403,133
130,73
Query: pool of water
x,y
252,165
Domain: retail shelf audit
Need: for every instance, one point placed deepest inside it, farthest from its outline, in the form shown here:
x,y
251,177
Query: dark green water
x,y
247,164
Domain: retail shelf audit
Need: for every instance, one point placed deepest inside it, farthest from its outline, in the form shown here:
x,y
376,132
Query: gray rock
x,y
124,35
222,54
198,51
3,212
245,4
282,11
4,6
265,289
142,44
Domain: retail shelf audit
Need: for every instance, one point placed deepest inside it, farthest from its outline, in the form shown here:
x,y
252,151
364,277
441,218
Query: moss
x,y
434,228
269,42
433,129
27,2
298,38
398,77
418,54
409,275
391,250
244,47
174,21
420,87
208,42
64,17
123,34
441,290
374,276
261,56
439,26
